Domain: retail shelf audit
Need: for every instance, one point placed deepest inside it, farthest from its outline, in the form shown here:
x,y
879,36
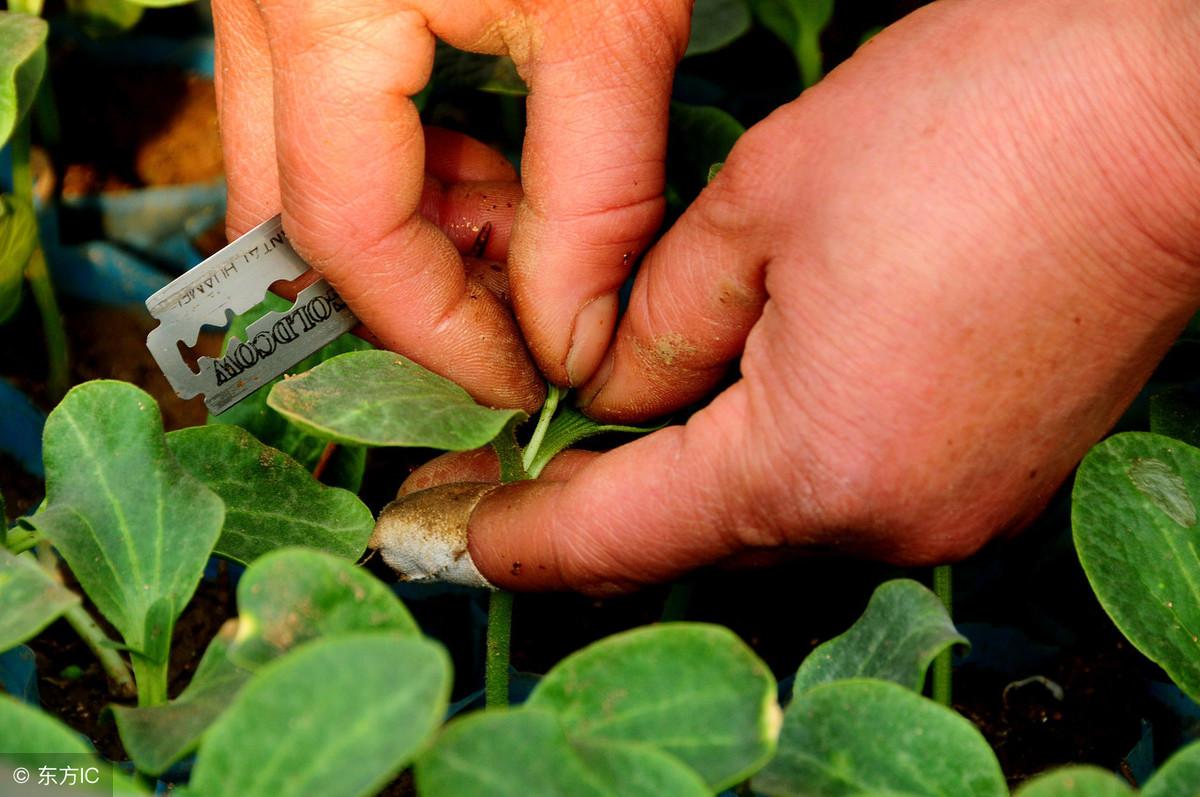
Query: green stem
x,y
22,170
33,7
499,645
55,332
500,603
553,394
509,454
676,605
513,468
120,680
53,329
19,542
45,112
943,587
810,59
151,681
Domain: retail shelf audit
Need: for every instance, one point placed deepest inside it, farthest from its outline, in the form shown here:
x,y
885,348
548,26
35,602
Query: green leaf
x,y
700,136
22,63
1178,777
338,717
855,736
289,597
717,23
29,738
134,526
799,23
1076,781
270,500
345,468
29,599
455,69
903,629
570,426
105,17
526,753
693,691
25,729
1133,511
1176,413
378,398
18,239
156,737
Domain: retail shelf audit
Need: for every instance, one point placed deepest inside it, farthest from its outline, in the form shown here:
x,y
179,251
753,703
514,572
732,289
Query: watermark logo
x,y
54,774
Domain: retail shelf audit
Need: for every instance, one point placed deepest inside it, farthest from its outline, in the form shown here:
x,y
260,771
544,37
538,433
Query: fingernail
x,y
589,338
423,536
597,383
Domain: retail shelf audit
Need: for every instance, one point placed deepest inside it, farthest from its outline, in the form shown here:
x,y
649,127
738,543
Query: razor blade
x,y
233,281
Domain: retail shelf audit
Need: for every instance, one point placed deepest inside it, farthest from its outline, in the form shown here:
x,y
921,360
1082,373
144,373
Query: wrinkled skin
x,y
946,269
317,122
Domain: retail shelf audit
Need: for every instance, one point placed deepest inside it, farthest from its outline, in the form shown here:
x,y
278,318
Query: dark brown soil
x,y
105,343
1096,721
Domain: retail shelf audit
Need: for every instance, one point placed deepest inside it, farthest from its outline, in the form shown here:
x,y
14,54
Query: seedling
x,y
273,708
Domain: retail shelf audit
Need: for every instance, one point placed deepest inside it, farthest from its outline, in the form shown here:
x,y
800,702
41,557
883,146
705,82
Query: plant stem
x,y
553,394
120,680
943,587
45,112
33,7
810,59
499,644
37,274
513,468
676,605
19,542
58,376
22,168
151,681
323,460
500,603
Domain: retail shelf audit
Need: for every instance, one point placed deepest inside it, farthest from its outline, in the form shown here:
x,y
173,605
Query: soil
x,y
126,128
1033,726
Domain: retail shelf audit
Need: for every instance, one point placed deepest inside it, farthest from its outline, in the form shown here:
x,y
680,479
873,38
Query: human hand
x,y
317,121
947,269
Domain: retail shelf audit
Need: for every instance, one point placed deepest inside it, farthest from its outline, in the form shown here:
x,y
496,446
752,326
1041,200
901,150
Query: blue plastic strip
x,y
21,429
18,674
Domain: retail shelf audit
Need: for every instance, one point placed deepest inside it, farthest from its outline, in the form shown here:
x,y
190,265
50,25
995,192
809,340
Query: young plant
x,y
22,66
799,23
136,515
273,708
377,398
857,724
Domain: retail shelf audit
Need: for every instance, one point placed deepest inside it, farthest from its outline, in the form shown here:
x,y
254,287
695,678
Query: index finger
x,y
351,152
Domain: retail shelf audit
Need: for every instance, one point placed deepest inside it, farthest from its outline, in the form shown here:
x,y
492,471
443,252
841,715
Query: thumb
x,y
644,513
